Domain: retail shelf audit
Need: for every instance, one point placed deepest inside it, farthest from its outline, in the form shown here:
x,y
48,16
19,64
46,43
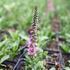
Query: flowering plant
x,y
35,62
35,54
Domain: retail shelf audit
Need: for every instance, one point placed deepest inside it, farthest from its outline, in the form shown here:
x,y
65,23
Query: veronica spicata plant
x,y
35,54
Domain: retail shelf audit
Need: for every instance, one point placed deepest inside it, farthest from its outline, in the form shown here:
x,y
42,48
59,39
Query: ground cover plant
x,y
16,17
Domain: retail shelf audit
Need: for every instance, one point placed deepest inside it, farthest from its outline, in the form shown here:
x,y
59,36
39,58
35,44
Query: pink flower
x,y
31,46
29,42
50,5
32,51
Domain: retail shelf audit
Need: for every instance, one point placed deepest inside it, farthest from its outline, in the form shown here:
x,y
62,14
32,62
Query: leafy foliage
x,y
17,15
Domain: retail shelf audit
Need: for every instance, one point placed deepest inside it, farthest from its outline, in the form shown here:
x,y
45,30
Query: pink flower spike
x,y
50,5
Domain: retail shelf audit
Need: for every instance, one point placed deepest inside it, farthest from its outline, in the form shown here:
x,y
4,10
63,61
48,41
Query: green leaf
x,y
4,58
